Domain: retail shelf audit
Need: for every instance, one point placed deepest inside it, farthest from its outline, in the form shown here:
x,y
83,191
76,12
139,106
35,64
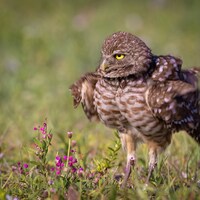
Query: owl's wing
x,y
166,68
172,101
173,94
83,91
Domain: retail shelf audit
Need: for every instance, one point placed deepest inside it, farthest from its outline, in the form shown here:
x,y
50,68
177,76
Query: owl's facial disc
x,y
124,54
112,61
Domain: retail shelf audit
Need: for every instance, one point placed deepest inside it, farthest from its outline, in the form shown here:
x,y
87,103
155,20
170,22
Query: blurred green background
x,y
46,45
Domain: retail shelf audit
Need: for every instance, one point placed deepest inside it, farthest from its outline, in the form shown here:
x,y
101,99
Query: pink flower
x,y
50,182
25,165
49,136
52,169
74,169
71,158
58,164
96,180
72,161
73,143
58,172
69,134
65,157
44,136
35,128
80,171
57,157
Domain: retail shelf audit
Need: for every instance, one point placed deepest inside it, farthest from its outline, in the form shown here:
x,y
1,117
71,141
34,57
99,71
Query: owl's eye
x,y
119,56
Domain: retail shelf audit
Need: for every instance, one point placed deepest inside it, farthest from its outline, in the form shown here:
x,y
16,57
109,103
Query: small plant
x,y
111,155
42,144
41,177
46,171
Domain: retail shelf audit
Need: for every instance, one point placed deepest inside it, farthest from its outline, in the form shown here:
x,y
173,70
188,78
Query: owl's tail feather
x,y
195,134
193,78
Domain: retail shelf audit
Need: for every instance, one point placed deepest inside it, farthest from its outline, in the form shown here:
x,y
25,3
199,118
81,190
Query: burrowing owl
x,y
144,96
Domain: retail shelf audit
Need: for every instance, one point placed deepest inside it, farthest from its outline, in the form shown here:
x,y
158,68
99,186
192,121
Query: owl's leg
x,y
152,162
129,145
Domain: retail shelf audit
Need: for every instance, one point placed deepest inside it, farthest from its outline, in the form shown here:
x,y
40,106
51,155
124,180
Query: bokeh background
x,y
46,45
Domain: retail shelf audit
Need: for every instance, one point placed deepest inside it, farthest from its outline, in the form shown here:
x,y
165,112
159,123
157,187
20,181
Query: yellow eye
x,y
119,56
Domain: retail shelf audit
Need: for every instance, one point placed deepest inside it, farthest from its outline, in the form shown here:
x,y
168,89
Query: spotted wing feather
x,y
173,96
83,92
167,68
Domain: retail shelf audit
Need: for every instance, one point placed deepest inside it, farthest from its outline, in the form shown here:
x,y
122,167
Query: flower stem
x,y
68,151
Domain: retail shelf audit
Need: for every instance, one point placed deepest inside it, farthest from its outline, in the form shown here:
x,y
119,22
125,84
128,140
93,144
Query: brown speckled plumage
x,y
83,92
145,97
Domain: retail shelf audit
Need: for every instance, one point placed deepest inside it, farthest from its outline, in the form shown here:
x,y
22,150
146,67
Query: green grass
x,y
44,47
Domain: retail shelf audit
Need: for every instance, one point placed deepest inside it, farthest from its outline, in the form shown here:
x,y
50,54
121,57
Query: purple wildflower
x,y
69,134
58,172
96,180
58,158
91,175
44,136
73,143
25,165
49,135
70,158
14,168
52,169
53,190
72,151
72,161
50,182
74,169
59,165
65,157
80,171
20,168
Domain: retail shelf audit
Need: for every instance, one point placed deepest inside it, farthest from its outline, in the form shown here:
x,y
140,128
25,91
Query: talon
x,y
129,143
152,163
132,161
127,174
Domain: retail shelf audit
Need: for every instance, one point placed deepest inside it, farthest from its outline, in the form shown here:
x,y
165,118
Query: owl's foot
x,y
150,171
129,166
129,144
152,163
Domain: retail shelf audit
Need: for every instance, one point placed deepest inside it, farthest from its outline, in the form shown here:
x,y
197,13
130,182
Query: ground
x,y
46,46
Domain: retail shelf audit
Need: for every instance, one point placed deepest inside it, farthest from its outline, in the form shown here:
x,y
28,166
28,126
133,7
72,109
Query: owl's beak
x,y
103,65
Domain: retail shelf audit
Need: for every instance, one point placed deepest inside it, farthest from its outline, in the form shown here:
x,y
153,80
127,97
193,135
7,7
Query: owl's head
x,y
124,54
